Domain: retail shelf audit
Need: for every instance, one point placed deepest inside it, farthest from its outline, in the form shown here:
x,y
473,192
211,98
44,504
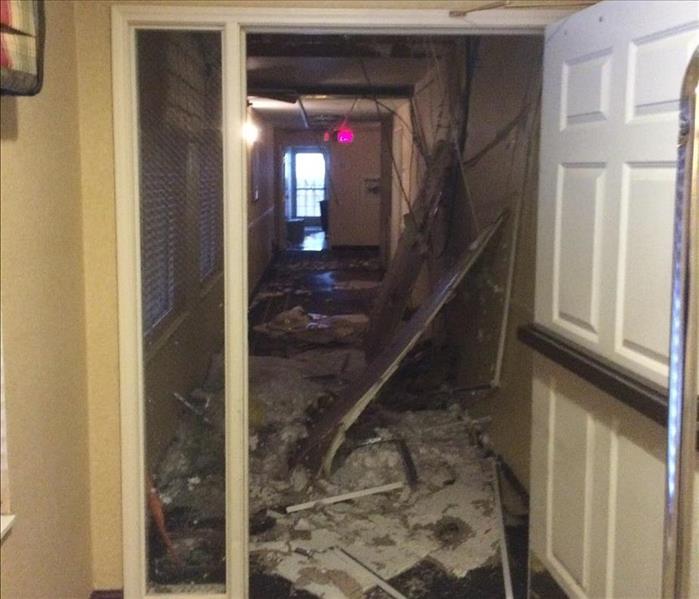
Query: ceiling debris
x,y
327,436
410,254
306,327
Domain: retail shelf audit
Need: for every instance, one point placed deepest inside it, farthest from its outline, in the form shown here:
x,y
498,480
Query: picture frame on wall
x,y
22,38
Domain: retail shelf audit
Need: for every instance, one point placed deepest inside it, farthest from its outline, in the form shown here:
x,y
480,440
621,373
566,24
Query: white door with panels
x,y
612,79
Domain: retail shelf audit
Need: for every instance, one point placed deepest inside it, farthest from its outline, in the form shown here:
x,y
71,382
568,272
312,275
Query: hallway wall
x,y
47,554
262,238
506,76
505,175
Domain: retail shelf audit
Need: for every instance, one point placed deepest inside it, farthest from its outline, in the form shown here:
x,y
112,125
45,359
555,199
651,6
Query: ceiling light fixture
x,y
345,135
251,132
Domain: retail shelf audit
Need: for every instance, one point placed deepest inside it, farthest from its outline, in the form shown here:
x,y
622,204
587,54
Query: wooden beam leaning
x,y
410,255
327,435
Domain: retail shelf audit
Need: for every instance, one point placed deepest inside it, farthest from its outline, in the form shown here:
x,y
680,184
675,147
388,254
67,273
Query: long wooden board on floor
x,y
328,434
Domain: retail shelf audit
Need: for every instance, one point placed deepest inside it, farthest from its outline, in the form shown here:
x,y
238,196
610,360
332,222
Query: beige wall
x,y
506,78
262,239
47,554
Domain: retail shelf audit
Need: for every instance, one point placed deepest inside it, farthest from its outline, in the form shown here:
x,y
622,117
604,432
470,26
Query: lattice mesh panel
x,y
181,220
181,168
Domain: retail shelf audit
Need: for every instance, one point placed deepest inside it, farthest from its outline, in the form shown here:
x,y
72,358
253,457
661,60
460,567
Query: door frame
x,y
233,23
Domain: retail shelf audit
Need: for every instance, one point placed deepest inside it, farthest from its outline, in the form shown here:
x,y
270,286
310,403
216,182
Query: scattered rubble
x,y
449,517
297,324
410,491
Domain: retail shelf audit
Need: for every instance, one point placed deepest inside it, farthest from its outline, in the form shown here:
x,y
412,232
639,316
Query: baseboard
x,y
113,594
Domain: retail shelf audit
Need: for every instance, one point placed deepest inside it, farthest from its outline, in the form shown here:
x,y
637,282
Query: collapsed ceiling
x,y
314,81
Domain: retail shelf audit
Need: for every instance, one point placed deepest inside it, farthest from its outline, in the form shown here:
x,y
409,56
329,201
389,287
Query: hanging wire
x,y
471,56
406,124
457,148
396,170
499,137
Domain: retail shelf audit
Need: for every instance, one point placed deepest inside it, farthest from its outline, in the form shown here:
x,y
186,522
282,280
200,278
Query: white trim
x,y
130,343
7,521
235,261
500,21
231,21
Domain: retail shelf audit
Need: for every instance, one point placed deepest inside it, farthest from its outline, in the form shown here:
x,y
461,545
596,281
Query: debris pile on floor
x,y
448,518
408,509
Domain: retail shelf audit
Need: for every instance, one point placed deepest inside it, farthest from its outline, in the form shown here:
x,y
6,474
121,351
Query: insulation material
x,y
448,518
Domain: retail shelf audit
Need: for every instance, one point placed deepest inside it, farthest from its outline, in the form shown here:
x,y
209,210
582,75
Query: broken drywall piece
x,y
448,519
355,564
344,497
328,434
504,554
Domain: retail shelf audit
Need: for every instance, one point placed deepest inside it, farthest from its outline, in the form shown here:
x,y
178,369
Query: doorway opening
x,y
377,328
305,193
466,312
373,359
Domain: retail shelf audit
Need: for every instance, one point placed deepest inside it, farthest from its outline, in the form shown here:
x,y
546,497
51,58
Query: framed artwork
x,y
22,33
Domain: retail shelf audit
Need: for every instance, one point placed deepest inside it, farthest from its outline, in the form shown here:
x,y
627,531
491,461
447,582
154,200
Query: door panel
x,y
596,489
579,206
645,256
612,76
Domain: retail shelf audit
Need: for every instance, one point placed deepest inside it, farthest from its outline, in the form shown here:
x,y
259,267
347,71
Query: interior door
x,y
612,80
612,77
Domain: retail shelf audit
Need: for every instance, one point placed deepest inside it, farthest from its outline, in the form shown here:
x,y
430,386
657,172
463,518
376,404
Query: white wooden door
x,y
612,77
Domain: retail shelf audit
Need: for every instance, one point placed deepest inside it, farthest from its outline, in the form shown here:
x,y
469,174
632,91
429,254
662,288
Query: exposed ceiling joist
x,y
320,89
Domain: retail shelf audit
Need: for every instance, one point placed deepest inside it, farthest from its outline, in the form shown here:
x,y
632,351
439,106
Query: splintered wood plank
x,y
410,255
328,434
